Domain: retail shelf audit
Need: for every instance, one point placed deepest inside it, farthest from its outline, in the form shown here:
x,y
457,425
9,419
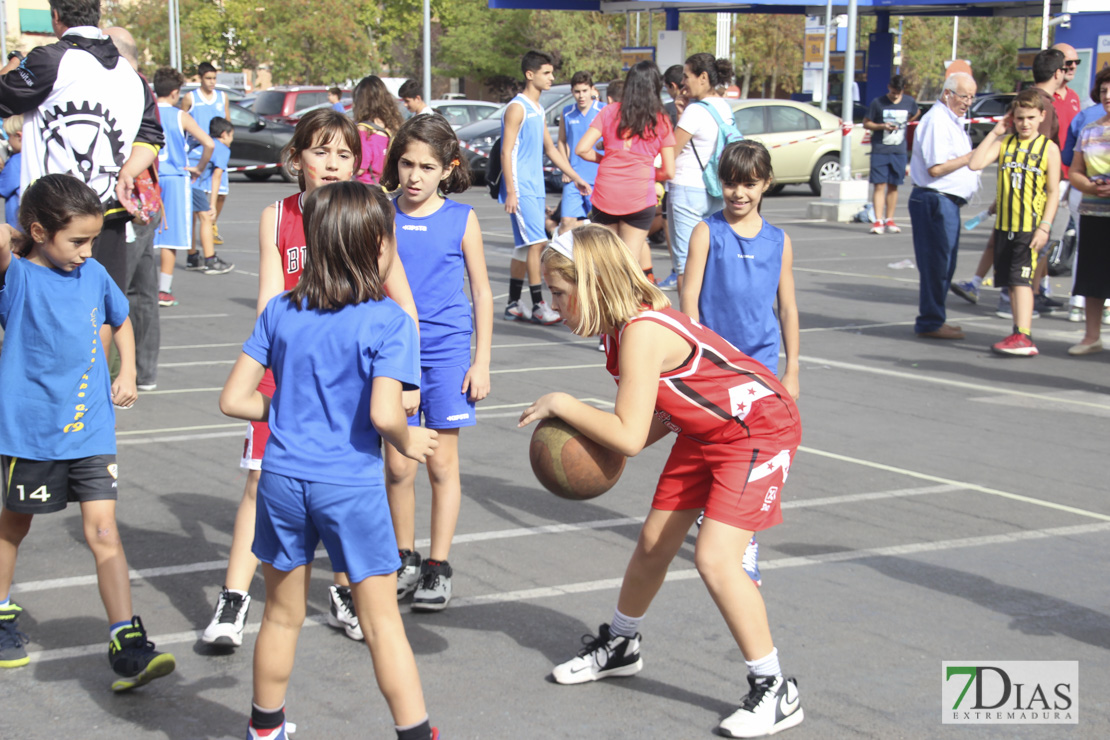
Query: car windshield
x,y
269,103
549,98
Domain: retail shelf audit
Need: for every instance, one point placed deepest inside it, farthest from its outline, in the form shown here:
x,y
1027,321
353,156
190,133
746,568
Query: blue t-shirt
x,y
56,402
173,158
884,111
527,154
430,248
220,157
324,363
575,122
740,286
9,189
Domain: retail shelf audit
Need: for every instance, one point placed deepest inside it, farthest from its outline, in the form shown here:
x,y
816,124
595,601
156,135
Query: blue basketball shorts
x,y
177,232
574,204
201,201
528,223
888,169
294,516
442,404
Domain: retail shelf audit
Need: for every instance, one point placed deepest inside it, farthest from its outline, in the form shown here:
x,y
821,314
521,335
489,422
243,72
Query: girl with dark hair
x,y
57,423
635,132
325,148
440,243
378,119
695,140
360,349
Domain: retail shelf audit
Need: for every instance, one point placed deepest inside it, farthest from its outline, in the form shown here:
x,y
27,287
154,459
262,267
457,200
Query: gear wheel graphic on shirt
x,y
95,144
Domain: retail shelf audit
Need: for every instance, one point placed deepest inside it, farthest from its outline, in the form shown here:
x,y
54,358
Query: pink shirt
x,y
374,145
626,177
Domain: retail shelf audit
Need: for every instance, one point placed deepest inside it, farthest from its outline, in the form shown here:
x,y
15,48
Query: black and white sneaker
x,y
601,657
226,627
215,266
134,658
408,575
772,705
434,589
342,615
194,261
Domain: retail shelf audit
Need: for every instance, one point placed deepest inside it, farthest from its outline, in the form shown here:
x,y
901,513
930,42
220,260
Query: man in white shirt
x,y
942,185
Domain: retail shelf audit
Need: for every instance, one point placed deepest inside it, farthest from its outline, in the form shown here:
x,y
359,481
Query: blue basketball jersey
x,y
203,112
575,122
740,287
173,158
527,154
430,248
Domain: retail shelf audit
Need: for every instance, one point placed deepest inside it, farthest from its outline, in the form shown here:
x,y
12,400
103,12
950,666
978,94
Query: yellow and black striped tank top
x,y
1022,180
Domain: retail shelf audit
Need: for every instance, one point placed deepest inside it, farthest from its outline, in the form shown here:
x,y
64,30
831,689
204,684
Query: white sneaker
x,y
226,627
771,706
601,657
408,575
342,613
1106,316
545,314
517,311
1077,314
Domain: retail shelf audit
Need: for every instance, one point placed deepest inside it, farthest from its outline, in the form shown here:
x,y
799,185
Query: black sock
x,y
516,287
422,731
262,720
537,293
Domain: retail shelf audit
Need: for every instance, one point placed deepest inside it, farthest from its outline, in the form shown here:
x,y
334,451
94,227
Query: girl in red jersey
x,y
325,148
737,431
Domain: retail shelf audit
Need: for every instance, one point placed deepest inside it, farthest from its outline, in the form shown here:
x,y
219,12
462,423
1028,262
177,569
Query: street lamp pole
x,y
427,50
847,100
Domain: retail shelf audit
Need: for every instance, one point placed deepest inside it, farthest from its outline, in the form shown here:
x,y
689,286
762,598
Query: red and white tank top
x,y
289,237
718,395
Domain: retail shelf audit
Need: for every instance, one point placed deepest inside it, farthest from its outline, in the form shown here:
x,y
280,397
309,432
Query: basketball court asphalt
x,y
947,505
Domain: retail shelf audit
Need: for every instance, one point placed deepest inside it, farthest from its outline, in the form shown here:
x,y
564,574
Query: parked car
x,y
804,141
459,113
235,95
477,138
994,104
282,101
259,141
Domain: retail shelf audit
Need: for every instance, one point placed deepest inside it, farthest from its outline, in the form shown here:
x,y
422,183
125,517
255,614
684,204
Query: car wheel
x,y
288,173
775,189
828,168
258,175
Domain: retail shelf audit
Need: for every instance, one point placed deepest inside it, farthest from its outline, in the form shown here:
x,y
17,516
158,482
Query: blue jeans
x,y
686,207
936,239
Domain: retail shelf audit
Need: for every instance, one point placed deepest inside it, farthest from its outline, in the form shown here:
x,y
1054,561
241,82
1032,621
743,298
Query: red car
x,y
280,102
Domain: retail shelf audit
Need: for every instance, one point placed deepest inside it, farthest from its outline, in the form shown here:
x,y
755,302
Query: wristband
x,y
17,54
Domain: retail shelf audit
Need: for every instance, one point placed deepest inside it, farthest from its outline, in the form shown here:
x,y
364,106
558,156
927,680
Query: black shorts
x,y
638,220
1014,261
45,486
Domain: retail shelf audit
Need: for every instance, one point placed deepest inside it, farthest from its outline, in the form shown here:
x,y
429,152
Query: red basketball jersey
x,y
719,394
289,237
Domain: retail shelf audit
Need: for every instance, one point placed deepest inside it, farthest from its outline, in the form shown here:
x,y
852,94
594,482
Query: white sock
x,y
624,626
768,665
977,281
165,282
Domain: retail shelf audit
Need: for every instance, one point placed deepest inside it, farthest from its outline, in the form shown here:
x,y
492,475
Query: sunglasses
x,y
1073,62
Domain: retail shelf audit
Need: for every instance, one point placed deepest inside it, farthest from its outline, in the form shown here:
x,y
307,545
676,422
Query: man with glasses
x,y
1065,100
942,185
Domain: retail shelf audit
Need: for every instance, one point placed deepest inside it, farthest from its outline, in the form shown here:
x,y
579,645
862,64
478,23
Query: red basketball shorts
x,y
737,484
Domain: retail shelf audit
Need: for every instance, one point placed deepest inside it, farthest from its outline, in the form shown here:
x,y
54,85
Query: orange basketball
x,y
570,464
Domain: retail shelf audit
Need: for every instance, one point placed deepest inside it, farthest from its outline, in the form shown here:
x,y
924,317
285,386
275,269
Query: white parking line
x,y
687,574
166,316
197,363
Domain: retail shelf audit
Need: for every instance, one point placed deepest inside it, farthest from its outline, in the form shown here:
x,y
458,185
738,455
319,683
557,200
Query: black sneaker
x,y
434,589
408,575
216,266
1046,305
12,652
133,657
193,261
771,706
601,657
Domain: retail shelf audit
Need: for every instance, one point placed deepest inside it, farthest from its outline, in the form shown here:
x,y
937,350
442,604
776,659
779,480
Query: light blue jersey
x,y
575,122
173,158
204,111
527,154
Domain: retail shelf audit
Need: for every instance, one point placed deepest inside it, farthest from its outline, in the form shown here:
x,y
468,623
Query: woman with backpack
x,y
378,119
707,120
633,132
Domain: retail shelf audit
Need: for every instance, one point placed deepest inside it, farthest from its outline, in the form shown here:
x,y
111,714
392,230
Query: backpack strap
x,y
720,124
374,128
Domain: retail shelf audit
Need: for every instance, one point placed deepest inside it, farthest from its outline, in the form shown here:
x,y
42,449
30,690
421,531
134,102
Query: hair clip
x,y
454,162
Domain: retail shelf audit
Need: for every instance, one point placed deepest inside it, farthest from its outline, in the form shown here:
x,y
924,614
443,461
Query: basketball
x,y
570,464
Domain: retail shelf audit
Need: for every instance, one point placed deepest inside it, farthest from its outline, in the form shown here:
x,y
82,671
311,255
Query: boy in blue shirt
x,y
9,176
576,118
205,197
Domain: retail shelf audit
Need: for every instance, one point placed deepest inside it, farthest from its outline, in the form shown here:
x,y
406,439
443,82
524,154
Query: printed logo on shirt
x,y
665,419
746,256
413,227
457,417
294,259
742,397
87,135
